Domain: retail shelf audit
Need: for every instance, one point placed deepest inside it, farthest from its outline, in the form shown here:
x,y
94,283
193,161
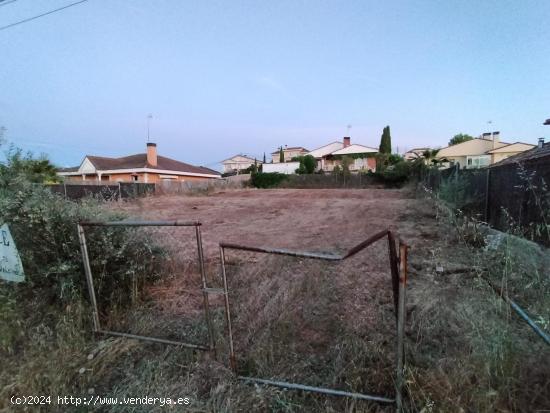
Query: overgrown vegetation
x,y
45,321
267,179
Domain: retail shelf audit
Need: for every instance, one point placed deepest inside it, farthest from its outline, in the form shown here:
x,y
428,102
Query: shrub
x,y
394,174
267,180
307,164
43,225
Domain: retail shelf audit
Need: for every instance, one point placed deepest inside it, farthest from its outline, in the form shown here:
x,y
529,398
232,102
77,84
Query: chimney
x,y
152,153
496,139
541,143
347,141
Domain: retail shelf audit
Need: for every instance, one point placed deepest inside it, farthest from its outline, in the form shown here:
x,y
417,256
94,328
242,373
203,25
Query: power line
x,y
6,2
42,15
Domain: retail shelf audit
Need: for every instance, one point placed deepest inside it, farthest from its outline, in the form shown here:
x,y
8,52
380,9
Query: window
x,y
479,161
134,178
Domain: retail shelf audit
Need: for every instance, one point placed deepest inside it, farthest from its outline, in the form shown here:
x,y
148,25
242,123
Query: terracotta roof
x,y
140,161
530,155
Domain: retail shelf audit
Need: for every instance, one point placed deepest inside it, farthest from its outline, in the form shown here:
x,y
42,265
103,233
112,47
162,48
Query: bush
x,y
44,228
307,164
396,174
267,180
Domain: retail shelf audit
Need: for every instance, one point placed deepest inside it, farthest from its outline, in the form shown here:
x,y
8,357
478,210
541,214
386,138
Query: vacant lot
x,y
300,320
333,325
329,219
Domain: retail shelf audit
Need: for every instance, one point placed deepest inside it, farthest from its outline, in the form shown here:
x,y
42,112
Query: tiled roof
x,y
292,148
140,161
530,155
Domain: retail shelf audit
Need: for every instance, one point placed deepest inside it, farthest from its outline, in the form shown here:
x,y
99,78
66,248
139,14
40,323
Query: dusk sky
x,y
227,77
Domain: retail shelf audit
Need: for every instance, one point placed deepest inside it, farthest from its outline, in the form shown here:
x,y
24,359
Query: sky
x,y
228,77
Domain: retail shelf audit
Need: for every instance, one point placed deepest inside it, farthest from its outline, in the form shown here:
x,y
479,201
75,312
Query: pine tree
x,y
264,158
385,141
281,155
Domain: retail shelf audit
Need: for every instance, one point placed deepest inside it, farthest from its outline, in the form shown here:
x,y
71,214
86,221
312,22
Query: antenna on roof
x,y
149,117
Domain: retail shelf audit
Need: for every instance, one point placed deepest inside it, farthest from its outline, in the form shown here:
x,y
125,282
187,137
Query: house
x,y
415,154
537,155
331,155
143,167
289,153
480,152
238,163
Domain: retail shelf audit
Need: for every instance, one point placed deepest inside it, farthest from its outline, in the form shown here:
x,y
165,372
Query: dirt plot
x,y
295,319
330,219
333,325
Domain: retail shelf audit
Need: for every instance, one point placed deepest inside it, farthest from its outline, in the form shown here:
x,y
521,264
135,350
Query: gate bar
x,y
89,277
133,223
206,302
295,386
153,339
401,314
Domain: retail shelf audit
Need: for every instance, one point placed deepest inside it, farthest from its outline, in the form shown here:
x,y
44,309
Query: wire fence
x,y
108,192
513,197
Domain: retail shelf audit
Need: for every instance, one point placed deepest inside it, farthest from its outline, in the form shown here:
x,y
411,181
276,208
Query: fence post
x,y
401,314
488,180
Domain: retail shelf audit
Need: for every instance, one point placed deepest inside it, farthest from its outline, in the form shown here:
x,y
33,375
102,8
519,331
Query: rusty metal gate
x,y
398,267
90,280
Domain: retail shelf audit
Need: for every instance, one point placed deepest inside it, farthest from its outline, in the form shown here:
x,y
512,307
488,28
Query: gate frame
x,y
90,281
398,267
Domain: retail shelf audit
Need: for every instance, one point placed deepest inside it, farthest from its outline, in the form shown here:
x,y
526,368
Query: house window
x,y
478,161
134,178
358,163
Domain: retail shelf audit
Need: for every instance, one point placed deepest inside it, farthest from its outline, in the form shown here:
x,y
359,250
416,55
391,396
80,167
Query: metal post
x,y
401,325
488,180
89,279
232,359
212,343
394,267
65,189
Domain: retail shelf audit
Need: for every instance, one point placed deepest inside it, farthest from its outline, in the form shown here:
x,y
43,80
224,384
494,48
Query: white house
x,y
238,163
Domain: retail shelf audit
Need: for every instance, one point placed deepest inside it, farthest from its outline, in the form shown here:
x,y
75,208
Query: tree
x,y
385,141
309,164
429,155
346,162
31,169
264,158
459,138
281,155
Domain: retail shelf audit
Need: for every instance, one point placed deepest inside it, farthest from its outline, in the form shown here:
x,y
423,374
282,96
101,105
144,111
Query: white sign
x,y
11,268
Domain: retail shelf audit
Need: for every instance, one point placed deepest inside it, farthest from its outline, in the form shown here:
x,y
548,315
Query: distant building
x,y
330,155
289,153
143,167
480,152
237,163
